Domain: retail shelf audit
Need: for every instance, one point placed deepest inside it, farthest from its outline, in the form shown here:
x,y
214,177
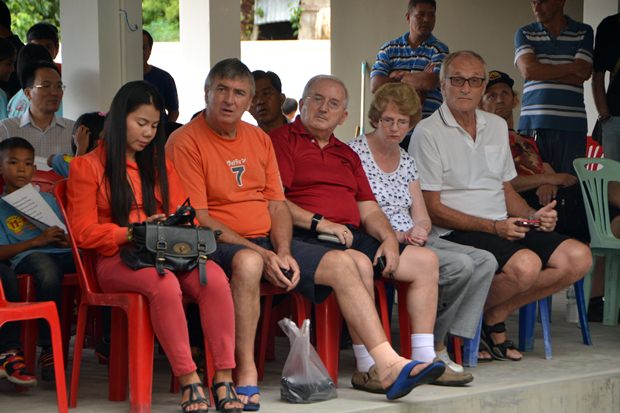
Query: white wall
x,y
209,32
98,51
294,61
360,27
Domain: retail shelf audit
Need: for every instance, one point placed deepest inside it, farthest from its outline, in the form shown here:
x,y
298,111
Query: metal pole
x,y
362,97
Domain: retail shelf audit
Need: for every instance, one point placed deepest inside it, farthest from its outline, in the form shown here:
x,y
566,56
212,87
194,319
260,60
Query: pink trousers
x,y
165,296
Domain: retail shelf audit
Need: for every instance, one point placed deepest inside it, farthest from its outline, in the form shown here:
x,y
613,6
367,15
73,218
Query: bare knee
x,y
572,258
247,269
523,269
419,265
364,267
337,270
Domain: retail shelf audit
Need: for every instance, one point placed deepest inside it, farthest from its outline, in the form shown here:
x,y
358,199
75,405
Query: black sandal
x,y
195,398
499,351
230,397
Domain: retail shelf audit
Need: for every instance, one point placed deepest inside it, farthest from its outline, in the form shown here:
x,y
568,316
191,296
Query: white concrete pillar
x,y
210,32
101,50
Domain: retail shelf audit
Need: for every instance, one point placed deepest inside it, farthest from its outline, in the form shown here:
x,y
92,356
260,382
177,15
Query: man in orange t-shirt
x,y
230,172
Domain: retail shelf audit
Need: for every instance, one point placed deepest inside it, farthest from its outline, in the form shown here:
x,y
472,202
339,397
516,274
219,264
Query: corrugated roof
x,y
273,11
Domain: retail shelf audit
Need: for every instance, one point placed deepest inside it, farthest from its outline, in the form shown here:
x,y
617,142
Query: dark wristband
x,y
315,222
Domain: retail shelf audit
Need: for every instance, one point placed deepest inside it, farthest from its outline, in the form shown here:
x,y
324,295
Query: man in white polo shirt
x,y
40,126
465,168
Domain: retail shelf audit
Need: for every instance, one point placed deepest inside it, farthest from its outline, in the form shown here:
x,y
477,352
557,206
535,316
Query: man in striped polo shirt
x,y
414,58
554,55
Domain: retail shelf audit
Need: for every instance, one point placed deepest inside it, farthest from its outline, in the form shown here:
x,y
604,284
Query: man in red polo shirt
x,y
329,196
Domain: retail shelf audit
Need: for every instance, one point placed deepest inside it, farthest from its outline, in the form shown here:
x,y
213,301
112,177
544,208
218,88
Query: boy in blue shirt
x,y
44,254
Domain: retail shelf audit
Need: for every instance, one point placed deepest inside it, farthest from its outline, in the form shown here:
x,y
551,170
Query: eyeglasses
x,y
318,100
459,81
49,86
389,122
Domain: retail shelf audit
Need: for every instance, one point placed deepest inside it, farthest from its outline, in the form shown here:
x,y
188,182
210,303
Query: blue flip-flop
x,y
249,391
404,383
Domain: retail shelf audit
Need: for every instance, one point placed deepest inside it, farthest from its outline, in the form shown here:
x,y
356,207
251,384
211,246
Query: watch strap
x,y
315,221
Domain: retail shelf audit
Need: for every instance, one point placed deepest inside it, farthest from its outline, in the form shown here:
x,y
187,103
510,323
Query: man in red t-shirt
x,y
329,196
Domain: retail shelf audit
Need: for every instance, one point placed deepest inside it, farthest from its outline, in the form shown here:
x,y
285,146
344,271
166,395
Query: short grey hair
x,y
232,68
450,58
318,78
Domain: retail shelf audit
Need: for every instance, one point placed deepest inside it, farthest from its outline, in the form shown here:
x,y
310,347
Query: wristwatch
x,y
315,221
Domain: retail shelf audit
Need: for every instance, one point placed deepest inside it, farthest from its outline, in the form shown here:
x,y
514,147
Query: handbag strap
x,y
202,256
160,248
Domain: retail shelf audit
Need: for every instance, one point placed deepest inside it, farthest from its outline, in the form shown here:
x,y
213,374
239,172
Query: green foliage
x,y
161,19
295,19
247,18
25,13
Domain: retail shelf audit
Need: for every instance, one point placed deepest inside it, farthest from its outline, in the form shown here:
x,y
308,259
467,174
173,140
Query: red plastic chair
x,y
130,354
70,291
47,311
404,322
328,325
45,181
382,304
269,291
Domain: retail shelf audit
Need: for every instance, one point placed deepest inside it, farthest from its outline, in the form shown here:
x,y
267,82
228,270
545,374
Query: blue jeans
x,y
47,271
611,138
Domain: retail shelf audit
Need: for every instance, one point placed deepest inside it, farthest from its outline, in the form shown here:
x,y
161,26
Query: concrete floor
x,y
577,379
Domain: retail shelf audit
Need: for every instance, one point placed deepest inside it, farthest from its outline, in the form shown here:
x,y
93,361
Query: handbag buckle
x,y
161,245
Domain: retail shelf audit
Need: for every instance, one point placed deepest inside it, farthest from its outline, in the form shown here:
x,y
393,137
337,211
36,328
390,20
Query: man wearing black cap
x,y
537,182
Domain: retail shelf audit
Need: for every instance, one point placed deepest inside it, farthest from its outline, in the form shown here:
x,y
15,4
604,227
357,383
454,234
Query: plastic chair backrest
x,y
45,180
84,260
594,188
593,150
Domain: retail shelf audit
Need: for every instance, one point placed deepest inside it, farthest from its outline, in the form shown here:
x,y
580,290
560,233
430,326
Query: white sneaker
x,y
443,356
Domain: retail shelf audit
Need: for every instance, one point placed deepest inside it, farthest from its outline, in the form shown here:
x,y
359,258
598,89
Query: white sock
x,y
422,347
363,358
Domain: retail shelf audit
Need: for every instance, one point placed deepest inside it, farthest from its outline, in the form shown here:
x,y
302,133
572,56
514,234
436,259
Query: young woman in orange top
x,y
125,180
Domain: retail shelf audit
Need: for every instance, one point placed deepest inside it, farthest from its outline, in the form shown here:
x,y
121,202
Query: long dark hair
x,y
94,122
151,161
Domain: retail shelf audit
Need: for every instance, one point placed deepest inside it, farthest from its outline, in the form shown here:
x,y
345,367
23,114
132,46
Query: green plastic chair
x,y
594,176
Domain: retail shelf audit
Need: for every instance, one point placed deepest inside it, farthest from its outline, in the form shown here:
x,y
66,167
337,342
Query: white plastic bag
x,y
304,377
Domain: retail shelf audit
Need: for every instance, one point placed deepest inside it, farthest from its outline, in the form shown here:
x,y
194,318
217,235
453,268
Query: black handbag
x,y
175,244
